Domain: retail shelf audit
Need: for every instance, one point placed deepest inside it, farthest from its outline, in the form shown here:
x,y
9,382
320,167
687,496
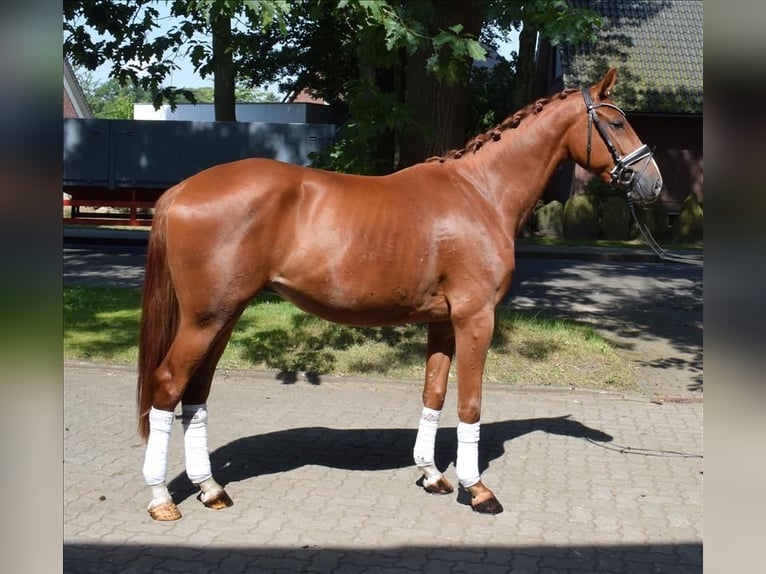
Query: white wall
x,y
276,113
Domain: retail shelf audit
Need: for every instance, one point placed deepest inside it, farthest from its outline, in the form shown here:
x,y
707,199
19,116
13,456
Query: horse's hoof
x,y
165,512
216,500
439,486
490,506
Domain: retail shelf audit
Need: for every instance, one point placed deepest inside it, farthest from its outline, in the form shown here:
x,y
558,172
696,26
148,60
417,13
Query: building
x,y
75,105
266,112
656,46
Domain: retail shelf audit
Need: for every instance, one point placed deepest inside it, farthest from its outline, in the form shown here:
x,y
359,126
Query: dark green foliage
x,y
615,218
581,217
655,218
489,101
548,220
687,227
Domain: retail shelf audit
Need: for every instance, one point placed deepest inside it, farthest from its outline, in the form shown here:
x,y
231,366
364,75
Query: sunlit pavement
x,y
322,481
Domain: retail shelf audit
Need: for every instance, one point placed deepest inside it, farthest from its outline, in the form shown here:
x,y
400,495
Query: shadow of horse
x,y
363,449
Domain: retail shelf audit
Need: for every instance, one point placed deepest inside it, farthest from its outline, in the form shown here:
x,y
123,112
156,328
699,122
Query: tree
x,y
491,97
556,20
441,102
110,100
398,68
412,102
126,36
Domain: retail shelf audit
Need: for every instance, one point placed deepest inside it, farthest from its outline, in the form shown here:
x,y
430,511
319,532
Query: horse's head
x,y
604,142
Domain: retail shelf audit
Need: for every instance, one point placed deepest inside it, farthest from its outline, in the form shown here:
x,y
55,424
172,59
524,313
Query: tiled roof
x,y
73,92
656,45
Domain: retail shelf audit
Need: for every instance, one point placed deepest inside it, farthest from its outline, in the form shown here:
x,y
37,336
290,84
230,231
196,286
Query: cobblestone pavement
x,y
322,481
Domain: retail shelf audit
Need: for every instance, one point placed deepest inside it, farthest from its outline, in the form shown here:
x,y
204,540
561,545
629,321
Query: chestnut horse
x,y
432,243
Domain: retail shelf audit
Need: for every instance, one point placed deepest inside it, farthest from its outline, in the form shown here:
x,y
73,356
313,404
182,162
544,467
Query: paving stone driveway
x,y
322,481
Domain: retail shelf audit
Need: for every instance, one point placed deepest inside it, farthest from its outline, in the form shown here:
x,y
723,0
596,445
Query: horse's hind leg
x,y
194,418
191,346
441,348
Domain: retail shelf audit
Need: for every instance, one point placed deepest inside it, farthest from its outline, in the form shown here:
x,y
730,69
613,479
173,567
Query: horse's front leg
x,y
473,336
441,348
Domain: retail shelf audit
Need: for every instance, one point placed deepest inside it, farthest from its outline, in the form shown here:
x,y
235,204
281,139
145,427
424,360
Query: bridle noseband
x,y
621,172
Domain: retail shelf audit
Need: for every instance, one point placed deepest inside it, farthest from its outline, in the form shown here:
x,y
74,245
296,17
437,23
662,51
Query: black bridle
x,y
622,172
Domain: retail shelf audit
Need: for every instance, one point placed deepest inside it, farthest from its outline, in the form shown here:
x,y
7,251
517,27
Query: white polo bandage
x,y
156,459
425,442
467,465
160,495
194,419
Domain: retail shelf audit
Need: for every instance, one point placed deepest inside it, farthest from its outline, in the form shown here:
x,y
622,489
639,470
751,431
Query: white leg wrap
x,y
423,453
467,466
209,488
160,495
156,459
194,420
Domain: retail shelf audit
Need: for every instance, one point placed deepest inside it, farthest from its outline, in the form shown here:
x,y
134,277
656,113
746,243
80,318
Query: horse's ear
x,y
605,86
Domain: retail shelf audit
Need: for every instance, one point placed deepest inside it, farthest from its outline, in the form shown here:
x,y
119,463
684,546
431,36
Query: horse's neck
x,y
513,171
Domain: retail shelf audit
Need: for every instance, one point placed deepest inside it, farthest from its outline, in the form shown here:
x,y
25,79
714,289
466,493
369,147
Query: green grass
x,y
611,243
101,325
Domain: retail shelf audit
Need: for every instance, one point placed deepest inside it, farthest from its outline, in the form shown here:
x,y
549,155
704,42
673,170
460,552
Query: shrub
x,y
581,217
600,189
687,227
548,220
615,218
655,218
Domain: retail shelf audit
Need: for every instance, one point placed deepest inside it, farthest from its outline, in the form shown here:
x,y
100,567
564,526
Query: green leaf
x,y
476,51
393,33
373,9
189,95
442,38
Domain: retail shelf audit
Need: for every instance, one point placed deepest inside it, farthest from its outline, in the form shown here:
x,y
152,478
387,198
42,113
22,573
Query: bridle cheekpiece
x,y
621,173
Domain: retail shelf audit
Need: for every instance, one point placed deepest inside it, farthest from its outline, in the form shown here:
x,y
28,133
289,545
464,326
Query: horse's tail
x,y
159,314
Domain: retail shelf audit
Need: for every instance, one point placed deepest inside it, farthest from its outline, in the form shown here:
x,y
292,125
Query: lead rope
x,y
656,247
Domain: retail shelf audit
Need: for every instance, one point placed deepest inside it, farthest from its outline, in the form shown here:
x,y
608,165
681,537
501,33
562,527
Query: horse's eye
x,y
617,124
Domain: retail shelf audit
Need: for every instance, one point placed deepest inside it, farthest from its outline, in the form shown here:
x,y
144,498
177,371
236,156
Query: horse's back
x,y
266,189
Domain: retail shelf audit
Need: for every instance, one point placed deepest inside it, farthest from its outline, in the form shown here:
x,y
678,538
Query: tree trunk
x,y
440,107
525,67
223,69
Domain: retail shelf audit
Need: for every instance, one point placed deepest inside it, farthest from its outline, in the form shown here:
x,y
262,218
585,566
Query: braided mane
x,y
493,134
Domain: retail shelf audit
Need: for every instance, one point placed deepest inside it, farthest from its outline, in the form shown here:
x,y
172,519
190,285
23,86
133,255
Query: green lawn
x,y
101,325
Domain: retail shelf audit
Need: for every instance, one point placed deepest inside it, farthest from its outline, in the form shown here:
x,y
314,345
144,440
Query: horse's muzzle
x,y
645,192
633,173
